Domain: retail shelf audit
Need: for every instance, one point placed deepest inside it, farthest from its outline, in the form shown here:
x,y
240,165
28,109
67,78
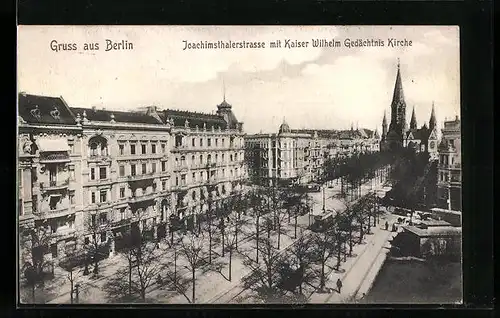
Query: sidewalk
x,y
358,269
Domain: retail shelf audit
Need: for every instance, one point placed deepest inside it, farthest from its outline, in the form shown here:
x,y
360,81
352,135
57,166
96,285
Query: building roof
x,y
194,119
36,109
94,114
284,128
435,231
418,134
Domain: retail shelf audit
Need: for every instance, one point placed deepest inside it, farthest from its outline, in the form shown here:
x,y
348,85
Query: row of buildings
x,y
81,168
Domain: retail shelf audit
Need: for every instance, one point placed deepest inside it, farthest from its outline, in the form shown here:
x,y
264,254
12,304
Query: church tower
x,y
413,121
397,127
432,120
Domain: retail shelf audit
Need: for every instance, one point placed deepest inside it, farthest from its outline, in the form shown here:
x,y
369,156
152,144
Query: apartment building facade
x,y
450,166
87,172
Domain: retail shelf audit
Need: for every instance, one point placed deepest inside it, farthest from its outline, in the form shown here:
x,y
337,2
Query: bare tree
x,y
70,264
210,227
35,243
239,206
324,243
265,276
258,202
192,248
301,253
95,227
279,219
230,243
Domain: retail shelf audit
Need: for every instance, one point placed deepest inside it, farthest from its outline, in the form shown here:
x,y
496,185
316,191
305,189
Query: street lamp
x,y
324,209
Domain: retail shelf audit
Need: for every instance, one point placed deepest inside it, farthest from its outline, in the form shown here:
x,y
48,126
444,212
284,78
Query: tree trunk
x,y
210,245
222,234
350,241
322,277
361,234
193,273
236,232
71,285
143,293
130,279
230,258
33,287
295,227
279,236
175,266
257,240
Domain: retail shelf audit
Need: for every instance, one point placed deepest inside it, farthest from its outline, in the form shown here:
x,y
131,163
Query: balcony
x,y
60,210
139,177
450,166
99,158
54,185
181,167
180,187
143,198
57,157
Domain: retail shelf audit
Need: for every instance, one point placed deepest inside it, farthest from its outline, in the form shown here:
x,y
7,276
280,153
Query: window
x,y
223,172
92,197
192,160
222,159
183,179
163,166
193,195
193,142
103,237
154,186
163,148
153,167
72,197
122,192
194,177
102,196
132,169
72,173
222,142
143,149
201,159
35,203
121,149
235,157
121,170
201,142
122,214
144,170
209,142
216,158
103,218
102,173
153,148
231,158
132,149
92,173
86,241
201,175
176,181
216,142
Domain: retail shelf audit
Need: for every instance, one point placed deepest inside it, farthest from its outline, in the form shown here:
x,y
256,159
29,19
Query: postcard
x,y
239,165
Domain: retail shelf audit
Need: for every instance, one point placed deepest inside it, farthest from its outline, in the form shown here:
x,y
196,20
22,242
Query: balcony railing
x,y
54,157
450,166
54,184
144,197
149,175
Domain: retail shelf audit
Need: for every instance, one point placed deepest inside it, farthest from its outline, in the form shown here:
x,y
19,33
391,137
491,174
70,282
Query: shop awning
x,y
52,145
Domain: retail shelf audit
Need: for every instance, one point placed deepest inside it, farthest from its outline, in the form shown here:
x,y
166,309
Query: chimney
x,y
456,117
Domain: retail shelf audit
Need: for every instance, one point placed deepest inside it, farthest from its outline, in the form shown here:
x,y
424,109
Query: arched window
x,y
194,195
98,146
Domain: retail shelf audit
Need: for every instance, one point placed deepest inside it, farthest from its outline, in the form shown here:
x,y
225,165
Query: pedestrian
x,y
339,285
386,225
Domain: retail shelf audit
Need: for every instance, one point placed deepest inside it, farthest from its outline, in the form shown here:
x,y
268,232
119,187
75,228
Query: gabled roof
x,y
194,119
36,109
94,114
417,134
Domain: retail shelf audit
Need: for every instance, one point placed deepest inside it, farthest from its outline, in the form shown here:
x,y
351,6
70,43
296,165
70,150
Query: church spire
x,y
432,120
384,126
413,121
398,105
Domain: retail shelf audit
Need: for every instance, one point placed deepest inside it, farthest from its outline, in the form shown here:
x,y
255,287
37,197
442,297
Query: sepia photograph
x,y
239,165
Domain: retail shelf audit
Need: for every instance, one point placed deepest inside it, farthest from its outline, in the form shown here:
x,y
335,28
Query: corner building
x,y
116,171
450,166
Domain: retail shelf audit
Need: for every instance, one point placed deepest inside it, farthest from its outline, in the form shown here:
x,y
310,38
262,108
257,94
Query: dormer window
x,y
36,112
55,113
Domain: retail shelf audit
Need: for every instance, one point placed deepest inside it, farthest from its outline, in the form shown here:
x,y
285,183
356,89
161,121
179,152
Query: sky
x,y
314,88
